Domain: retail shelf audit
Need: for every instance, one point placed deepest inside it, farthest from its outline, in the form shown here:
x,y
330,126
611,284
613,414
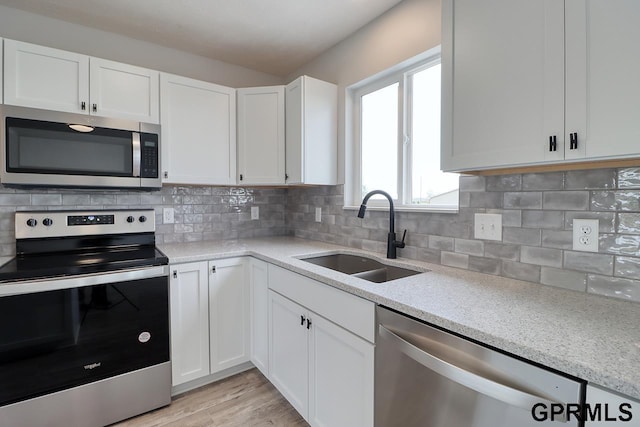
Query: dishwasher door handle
x,y
478,383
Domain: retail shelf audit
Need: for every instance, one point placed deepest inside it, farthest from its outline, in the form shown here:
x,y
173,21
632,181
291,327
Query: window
x,y
397,138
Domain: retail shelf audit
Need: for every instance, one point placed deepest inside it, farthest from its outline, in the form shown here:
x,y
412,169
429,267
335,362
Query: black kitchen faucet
x,y
392,243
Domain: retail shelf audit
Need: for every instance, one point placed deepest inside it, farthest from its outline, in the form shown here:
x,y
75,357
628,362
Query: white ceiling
x,y
273,36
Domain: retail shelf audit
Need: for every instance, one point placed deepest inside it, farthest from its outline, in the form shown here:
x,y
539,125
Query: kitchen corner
x,y
575,333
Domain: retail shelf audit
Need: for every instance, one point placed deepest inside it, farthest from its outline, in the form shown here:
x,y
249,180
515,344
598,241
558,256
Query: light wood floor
x,y
247,399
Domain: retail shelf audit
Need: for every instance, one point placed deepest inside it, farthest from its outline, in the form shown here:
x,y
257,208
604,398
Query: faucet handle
x,y
401,244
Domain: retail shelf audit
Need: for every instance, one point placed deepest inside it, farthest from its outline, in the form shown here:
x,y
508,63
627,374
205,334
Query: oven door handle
x,y
53,284
478,383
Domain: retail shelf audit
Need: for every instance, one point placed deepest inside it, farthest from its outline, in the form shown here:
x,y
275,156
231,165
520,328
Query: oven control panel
x,y
39,224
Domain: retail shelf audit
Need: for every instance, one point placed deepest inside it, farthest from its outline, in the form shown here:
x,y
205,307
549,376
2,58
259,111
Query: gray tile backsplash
x,y
538,211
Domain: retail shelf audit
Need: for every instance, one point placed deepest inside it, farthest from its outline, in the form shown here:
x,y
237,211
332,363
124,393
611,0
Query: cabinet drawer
x,y
349,311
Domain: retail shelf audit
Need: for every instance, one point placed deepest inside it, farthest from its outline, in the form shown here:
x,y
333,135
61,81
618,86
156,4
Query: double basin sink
x,y
362,267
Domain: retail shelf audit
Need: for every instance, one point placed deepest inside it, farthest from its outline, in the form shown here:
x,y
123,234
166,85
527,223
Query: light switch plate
x,y
318,214
487,226
585,235
255,212
168,216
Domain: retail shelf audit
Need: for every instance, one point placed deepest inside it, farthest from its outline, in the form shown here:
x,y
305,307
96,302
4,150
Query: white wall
x,y
406,30
28,27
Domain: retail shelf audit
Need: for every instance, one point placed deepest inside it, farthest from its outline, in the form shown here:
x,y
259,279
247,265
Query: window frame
x,y
403,75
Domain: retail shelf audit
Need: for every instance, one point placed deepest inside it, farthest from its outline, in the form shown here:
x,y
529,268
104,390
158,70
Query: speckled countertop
x,y
590,337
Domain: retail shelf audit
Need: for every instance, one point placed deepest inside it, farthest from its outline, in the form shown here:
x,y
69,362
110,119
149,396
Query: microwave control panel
x,y
149,161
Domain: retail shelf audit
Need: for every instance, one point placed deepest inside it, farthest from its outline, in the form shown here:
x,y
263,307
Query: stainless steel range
x,y
84,323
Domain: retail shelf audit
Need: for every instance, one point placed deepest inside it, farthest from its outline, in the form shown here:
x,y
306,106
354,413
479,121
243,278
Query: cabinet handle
x,y
213,269
166,174
175,274
241,177
553,145
286,176
95,107
573,141
308,323
83,105
302,319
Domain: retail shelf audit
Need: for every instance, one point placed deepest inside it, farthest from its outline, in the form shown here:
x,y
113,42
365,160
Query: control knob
x,y
142,218
47,222
31,222
130,219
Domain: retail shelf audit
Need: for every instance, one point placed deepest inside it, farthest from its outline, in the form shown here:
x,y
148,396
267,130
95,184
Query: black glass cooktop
x,y
86,261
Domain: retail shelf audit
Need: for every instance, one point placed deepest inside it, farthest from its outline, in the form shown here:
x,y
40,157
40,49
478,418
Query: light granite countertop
x,y
590,337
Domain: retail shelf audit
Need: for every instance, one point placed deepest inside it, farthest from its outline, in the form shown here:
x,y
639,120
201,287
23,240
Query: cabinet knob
x,y
302,319
553,145
95,107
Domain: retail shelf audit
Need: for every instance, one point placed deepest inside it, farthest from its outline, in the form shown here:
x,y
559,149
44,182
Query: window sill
x,y
425,209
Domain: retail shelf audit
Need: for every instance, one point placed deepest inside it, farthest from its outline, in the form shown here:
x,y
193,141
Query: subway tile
x,y
614,287
504,183
543,181
620,244
565,200
603,201
501,251
485,200
520,271
417,239
453,259
103,199
628,267
588,262
523,200
629,178
428,255
543,219
541,256
559,239
628,200
521,236
46,199
510,217
470,247
606,220
464,200
472,183
128,199
629,223
485,265
441,243
563,279
76,199
10,199
590,179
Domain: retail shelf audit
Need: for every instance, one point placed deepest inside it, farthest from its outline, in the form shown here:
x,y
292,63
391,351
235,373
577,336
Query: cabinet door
x,y
41,77
602,76
607,408
288,351
1,71
341,373
261,135
198,132
259,309
124,91
503,82
228,313
311,132
189,308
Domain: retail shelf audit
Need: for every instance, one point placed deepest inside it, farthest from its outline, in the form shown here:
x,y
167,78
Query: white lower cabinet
x,y
258,309
209,309
323,369
608,408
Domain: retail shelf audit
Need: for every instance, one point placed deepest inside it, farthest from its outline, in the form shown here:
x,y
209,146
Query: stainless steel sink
x,y
362,267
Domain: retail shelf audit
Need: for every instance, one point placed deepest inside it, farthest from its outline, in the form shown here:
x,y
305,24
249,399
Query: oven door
x,y
81,330
62,149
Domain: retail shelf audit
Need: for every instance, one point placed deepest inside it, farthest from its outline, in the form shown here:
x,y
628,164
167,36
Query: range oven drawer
x,y
59,339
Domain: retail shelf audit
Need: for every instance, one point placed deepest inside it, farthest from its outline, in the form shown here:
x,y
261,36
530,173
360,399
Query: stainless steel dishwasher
x,y
430,378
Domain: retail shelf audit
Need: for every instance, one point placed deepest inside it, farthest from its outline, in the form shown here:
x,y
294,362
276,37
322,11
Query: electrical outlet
x,y
255,212
585,235
487,226
168,216
318,214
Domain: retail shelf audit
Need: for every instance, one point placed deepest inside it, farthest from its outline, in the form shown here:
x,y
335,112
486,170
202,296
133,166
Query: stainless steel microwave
x,y
49,148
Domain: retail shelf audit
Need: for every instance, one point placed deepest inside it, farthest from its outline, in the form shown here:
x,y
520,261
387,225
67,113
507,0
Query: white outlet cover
x,y
255,212
487,226
168,215
318,214
585,235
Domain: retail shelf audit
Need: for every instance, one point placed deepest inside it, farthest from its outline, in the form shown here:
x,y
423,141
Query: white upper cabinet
x,y
261,135
508,97
603,66
198,132
124,91
311,132
1,72
41,77
502,74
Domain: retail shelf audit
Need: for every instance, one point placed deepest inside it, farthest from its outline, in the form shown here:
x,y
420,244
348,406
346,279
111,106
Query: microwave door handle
x,y
478,383
136,153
